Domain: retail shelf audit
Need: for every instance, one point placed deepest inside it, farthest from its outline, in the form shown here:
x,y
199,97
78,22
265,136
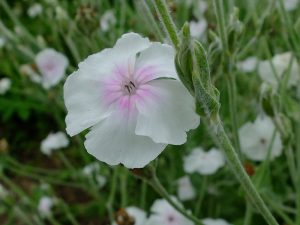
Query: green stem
x,y
280,212
233,111
219,11
144,194
201,195
166,19
298,172
111,197
240,173
123,183
248,214
149,18
157,186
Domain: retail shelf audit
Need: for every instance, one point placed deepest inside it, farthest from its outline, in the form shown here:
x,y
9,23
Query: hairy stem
x,y
166,19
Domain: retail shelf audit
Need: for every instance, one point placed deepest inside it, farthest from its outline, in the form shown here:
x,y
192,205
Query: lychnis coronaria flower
x,y
132,100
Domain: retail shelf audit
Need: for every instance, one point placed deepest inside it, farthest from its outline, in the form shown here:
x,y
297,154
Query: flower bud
x,y
193,70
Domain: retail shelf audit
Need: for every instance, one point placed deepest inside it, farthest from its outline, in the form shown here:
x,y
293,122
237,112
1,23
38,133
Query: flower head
x,y
54,141
107,20
131,98
209,221
52,66
185,190
198,28
282,64
290,5
5,84
163,213
45,206
257,137
35,10
205,163
248,65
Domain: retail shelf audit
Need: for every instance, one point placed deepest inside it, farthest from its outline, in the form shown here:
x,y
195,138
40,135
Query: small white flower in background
x,y
133,115
248,65
107,20
54,141
101,180
163,213
281,63
5,84
2,41
290,5
198,28
256,138
210,221
204,162
93,169
52,66
185,189
45,206
137,214
35,10
90,169
200,6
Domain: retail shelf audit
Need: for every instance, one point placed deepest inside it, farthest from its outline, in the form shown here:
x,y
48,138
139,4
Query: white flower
x,y
210,221
256,138
205,163
281,64
107,20
5,84
45,206
199,8
248,65
185,190
52,66
163,213
54,141
90,169
2,41
101,180
290,5
198,28
137,214
35,10
133,115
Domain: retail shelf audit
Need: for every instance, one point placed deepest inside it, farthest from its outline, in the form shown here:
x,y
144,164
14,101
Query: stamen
x,y
132,83
130,87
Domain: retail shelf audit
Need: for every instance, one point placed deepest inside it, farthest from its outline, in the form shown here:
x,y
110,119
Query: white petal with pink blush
x,y
163,213
132,100
204,162
52,66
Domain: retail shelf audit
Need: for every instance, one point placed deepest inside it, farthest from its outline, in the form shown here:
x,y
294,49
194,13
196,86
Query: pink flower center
x,y
126,86
129,88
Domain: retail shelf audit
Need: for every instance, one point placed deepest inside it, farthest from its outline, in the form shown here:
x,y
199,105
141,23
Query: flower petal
x,y
113,141
158,59
130,44
168,114
84,103
52,65
101,65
